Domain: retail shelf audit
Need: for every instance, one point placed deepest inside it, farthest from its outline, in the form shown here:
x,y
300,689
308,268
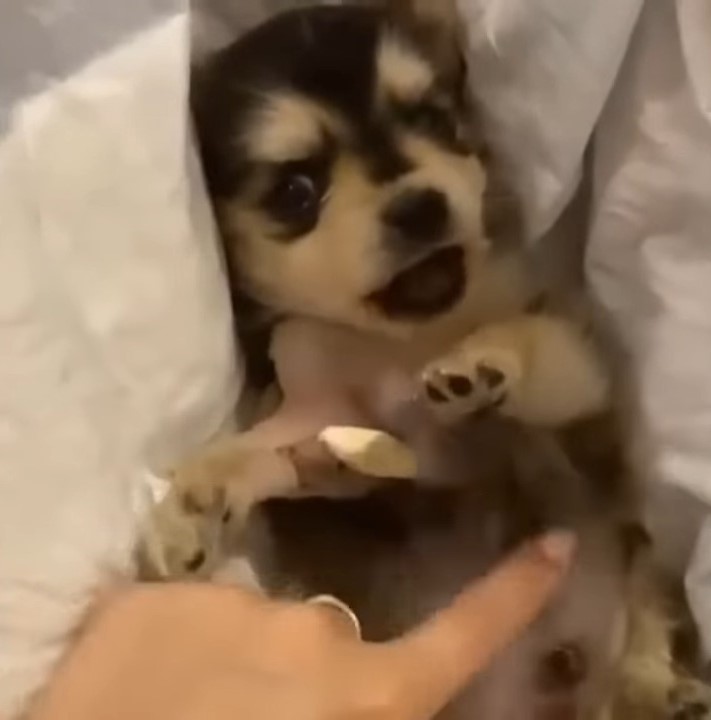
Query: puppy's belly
x,y
404,552
395,568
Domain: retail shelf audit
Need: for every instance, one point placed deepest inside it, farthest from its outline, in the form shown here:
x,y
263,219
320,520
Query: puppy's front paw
x,y
210,497
180,541
690,700
234,475
473,378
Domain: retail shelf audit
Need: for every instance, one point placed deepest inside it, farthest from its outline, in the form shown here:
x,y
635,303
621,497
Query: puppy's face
x,y
336,150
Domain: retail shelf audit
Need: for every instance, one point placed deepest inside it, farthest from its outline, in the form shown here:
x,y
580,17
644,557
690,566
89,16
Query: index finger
x,y
437,659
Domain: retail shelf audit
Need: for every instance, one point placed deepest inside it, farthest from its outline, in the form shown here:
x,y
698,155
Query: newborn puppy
x,y
404,548
374,249
334,376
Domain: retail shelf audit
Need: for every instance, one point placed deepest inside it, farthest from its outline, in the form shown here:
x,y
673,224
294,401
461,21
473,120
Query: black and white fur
x,y
374,253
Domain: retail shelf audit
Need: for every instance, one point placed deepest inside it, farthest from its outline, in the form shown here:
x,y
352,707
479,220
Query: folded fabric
x,y
649,261
116,350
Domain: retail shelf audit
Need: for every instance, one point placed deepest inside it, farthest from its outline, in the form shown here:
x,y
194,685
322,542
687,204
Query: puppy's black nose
x,y
421,216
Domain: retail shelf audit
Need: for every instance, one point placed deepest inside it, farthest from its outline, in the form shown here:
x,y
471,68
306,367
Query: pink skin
x,y
332,376
328,376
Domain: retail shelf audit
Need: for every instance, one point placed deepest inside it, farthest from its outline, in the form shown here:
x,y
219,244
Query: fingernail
x,y
557,546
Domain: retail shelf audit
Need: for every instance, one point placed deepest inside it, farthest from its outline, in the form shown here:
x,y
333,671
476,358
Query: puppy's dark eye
x,y
296,191
294,198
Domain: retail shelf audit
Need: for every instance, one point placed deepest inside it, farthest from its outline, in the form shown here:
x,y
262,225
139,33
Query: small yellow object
x,y
370,452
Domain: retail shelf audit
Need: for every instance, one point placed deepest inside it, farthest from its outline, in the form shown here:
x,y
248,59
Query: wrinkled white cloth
x,y
116,351
115,334
543,71
649,261
635,77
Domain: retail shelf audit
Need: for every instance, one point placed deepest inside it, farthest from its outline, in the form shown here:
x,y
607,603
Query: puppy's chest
x,y
323,359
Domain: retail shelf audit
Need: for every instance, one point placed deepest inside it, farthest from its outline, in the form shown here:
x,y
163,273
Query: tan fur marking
x,y
402,73
288,127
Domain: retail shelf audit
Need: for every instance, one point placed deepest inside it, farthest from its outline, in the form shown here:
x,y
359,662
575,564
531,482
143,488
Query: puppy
x,y
378,277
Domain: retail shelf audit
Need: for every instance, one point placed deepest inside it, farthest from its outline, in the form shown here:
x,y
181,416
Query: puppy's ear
x,y
433,25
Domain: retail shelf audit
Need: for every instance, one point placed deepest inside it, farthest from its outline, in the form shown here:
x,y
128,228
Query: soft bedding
x,y
116,349
115,332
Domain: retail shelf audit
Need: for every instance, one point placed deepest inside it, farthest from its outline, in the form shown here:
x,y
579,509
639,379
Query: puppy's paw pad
x,y
434,394
196,562
464,384
492,377
180,542
691,700
459,385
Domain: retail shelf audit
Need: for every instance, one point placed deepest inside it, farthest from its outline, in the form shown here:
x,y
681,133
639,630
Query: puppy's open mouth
x,y
431,287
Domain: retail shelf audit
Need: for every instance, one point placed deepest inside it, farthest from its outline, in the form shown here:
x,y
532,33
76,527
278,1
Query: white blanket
x,y
115,338
115,333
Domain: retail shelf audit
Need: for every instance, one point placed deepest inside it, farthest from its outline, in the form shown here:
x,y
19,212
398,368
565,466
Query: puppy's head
x,y
339,155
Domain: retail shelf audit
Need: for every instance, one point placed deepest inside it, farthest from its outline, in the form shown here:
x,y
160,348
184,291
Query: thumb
x,y
437,659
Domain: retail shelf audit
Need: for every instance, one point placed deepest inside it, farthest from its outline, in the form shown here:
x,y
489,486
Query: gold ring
x,y
336,604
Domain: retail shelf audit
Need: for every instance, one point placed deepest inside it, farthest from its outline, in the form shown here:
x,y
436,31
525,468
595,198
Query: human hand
x,y
199,652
